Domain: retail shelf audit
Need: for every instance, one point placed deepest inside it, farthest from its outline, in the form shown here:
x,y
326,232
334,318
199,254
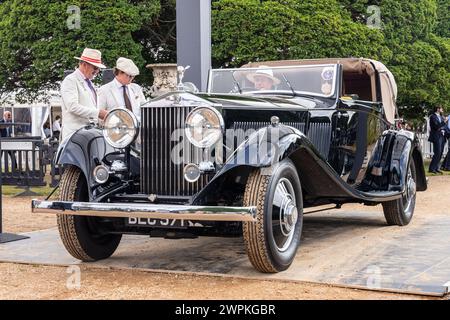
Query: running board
x,y
382,196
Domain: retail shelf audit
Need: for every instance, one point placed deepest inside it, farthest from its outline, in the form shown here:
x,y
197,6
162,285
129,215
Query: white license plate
x,y
161,223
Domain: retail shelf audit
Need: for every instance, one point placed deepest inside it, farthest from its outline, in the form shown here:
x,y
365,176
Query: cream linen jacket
x,y
78,104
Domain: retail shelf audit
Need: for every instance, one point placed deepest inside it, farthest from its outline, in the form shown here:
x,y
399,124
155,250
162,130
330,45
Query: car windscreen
x,y
317,80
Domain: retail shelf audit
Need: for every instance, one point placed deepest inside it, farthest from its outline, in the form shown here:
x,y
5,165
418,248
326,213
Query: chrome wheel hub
x,y
284,214
410,194
288,218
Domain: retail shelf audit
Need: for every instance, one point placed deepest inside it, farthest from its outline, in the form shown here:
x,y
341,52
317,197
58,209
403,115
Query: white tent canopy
x,y
35,113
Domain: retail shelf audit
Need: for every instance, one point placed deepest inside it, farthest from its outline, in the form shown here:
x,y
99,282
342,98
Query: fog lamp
x,y
191,172
101,174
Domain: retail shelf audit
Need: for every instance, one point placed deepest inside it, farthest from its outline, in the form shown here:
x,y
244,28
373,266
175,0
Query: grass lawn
x,y
41,191
427,166
13,190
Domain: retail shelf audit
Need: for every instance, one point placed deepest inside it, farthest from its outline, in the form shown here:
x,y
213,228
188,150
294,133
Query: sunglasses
x,y
92,66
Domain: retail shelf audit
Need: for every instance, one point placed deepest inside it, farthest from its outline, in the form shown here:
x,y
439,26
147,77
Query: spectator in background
x,y
437,137
56,128
47,129
408,126
446,162
5,131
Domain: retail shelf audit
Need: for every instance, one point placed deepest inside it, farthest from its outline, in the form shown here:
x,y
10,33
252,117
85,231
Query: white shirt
x,y
110,96
56,126
119,91
87,81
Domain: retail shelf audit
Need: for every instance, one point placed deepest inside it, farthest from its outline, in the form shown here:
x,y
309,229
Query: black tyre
x,y
272,241
79,234
400,212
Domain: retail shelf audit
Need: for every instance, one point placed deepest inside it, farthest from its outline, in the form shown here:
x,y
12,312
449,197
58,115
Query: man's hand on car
x,y
102,114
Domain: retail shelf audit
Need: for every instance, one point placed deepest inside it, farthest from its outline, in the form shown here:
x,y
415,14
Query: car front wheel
x,y
272,241
82,236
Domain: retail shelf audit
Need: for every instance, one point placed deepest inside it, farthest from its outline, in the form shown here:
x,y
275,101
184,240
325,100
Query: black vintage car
x,y
242,159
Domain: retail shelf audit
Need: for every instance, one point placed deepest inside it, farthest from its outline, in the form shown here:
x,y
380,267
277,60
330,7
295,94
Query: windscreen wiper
x,y
289,85
236,83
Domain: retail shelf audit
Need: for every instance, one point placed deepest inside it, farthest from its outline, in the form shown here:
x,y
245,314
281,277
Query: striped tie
x,y
89,83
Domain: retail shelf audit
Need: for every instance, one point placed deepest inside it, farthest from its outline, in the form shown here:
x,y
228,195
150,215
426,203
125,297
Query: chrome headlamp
x,y
120,128
204,127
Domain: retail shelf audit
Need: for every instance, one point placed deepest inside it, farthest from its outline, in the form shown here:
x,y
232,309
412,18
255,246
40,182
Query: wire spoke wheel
x,y
284,214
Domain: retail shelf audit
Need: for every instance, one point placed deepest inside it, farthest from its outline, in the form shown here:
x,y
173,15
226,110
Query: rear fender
x,y
388,165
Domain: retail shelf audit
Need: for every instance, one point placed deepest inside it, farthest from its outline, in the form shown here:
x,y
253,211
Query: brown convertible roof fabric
x,y
351,65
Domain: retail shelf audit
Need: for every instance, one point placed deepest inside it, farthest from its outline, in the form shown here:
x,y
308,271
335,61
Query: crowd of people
x,y
439,134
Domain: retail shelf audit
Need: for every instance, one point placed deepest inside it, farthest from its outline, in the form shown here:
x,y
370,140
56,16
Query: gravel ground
x,y
44,282
19,281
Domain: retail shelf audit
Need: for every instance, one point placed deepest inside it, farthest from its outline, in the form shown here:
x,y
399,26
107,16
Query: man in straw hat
x,y
121,92
263,78
79,98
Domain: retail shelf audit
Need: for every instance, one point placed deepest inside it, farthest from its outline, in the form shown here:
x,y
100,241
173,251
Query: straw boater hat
x,y
127,66
263,71
93,57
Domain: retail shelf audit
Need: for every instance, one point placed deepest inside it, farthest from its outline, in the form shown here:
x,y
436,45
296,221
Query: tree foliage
x,y
37,44
252,30
158,36
443,18
414,31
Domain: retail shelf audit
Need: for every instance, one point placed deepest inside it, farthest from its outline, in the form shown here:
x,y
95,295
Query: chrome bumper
x,y
153,211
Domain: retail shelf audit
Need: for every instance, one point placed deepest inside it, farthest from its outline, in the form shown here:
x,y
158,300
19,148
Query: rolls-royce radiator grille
x,y
165,152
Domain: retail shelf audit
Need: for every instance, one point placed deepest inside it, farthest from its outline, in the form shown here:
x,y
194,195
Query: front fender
x,y
264,148
84,149
268,146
